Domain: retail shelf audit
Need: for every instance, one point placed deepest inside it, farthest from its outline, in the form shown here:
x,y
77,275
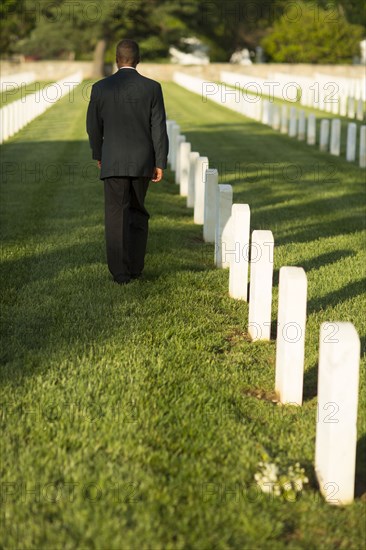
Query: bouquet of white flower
x,y
279,481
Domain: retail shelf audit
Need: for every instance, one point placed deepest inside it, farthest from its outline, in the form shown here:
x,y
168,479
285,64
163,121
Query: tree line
x,y
289,31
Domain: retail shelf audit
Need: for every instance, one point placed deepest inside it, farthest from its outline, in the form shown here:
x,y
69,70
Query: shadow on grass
x,y
324,259
347,292
360,482
310,387
46,265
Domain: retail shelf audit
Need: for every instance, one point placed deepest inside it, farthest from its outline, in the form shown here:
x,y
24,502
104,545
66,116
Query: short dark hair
x,y
128,52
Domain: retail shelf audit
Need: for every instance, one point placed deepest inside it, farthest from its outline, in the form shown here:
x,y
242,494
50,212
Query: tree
x,y
354,10
307,33
90,30
16,22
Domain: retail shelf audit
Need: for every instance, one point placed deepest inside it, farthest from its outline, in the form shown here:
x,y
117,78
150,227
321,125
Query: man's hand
x,y
158,175
99,164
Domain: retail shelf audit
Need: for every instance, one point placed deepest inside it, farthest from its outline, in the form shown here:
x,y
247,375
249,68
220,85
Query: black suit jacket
x,y
126,125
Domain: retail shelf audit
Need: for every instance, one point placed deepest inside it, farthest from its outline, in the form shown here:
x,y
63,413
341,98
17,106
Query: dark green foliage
x,y
64,28
307,33
17,19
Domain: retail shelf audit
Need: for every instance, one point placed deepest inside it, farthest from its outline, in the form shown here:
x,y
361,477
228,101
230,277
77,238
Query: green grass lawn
x,y
19,92
135,416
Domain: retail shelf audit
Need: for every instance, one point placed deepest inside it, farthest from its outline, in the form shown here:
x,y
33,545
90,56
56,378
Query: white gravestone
x,y
290,344
4,122
169,127
265,111
335,105
359,113
180,139
351,107
335,137
270,113
2,125
11,119
227,244
343,105
184,163
199,190
293,122
193,157
363,147
209,223
324,134
284,119
16,113
351,141
238,277
260,290
224,202
276,119
175,133
336,428
302,126
328,104
311,136
16,116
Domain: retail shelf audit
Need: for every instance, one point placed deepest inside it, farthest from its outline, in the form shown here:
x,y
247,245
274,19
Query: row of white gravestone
x,y
11,82
326,93
336,435
17,114
228,226
293,122
297,125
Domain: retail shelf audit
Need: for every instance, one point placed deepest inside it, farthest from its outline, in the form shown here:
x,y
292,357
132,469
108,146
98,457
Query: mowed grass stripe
x,y
143,390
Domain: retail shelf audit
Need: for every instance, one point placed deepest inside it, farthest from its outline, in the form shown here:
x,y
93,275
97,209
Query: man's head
x,y
127,53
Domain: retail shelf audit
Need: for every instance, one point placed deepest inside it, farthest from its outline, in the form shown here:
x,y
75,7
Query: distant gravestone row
x,y
291,121
12,81
227,225
17,114
296,124
333,94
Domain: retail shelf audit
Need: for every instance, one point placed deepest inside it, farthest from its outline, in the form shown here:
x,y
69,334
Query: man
x,y
126,125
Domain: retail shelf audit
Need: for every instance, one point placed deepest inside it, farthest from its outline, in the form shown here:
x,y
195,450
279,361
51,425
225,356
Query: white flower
x,y
298,485
267,478
267,488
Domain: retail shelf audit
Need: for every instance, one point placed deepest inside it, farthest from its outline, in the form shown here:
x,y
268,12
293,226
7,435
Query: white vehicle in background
x,y
193,52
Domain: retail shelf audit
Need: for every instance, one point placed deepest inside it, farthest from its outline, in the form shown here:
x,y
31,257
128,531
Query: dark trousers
x,y
126,225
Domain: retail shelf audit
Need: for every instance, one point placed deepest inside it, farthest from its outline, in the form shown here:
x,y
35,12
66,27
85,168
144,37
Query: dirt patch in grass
x,y
264,395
